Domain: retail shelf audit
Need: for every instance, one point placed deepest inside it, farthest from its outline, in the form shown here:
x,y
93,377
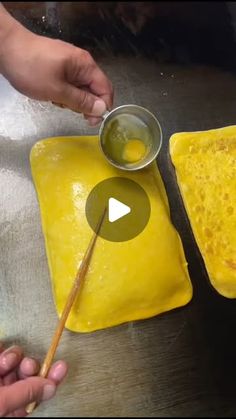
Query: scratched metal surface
x,y
181,363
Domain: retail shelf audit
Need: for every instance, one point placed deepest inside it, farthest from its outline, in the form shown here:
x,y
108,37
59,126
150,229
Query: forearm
x,y
8,25
52,70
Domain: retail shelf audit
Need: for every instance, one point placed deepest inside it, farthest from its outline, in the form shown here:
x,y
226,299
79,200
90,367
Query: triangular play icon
x,y
117,210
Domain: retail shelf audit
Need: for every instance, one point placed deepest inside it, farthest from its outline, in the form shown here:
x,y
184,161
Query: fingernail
x,y
99,108
28,366
9,360
59,372
49,391
93,121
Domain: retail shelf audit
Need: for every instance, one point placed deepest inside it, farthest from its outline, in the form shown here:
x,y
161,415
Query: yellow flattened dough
x,y
126,281
205,164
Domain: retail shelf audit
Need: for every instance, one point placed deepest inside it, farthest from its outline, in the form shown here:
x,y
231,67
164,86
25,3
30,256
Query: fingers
x,y
87,73
21,393
92,120
10,359
88,90
27,368
58,372
9,378
19,413
101,86
80,100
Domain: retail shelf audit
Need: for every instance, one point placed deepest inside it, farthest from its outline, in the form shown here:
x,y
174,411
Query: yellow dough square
x,y
127,281
205,164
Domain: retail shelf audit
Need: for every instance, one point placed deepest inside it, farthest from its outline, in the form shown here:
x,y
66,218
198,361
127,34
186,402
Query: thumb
x,y
23,392
81,100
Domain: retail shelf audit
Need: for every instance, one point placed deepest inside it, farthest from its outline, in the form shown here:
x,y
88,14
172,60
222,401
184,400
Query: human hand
x,y
52,70
19,387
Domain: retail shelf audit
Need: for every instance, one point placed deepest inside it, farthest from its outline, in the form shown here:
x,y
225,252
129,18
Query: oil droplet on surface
x,y
230,210
209,249
208,232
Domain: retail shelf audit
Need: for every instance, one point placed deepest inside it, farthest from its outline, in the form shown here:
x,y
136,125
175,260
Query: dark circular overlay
x,y
127,192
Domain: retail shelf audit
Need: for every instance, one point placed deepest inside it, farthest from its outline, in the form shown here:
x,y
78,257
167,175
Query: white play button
x,y
117,210
128,209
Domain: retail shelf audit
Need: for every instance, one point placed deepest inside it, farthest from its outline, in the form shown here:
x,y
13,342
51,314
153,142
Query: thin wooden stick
x,y
76,287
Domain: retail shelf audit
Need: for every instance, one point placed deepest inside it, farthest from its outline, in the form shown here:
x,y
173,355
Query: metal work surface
x,y
178,364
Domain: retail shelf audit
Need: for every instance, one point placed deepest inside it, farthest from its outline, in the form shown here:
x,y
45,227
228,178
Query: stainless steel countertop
x,y
178,364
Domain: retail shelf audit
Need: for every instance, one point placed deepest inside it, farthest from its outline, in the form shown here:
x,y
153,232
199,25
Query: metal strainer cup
x,y
130,123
